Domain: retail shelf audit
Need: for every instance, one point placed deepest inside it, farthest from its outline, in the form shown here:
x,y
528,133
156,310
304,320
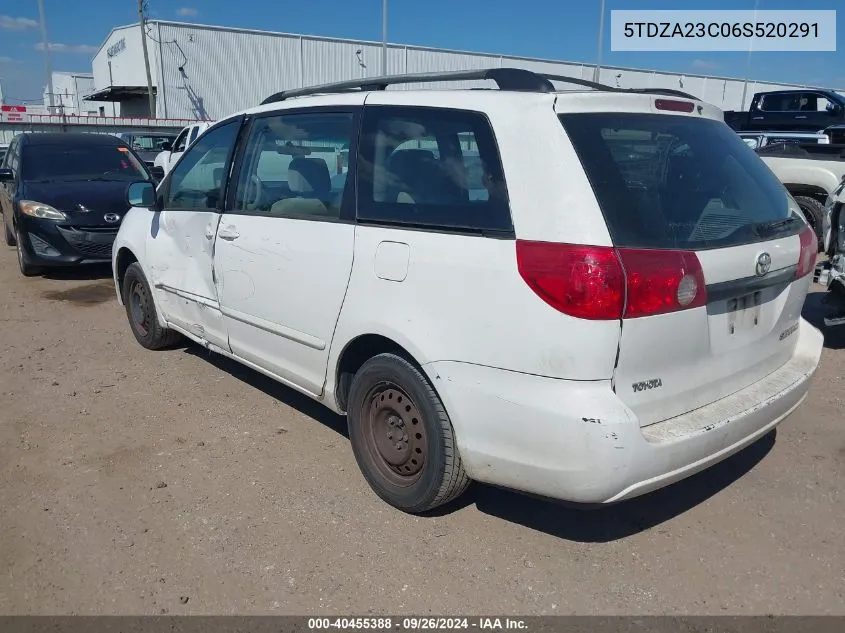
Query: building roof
x,y
494,56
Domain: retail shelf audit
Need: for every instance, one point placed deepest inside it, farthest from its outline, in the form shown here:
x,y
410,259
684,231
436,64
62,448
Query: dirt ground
x,y
139,482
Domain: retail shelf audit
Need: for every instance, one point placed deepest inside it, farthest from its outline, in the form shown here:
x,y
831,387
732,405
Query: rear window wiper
x,y
775,225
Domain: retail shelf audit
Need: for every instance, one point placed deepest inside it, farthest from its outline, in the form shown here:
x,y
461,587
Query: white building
x,y
69,92
206,72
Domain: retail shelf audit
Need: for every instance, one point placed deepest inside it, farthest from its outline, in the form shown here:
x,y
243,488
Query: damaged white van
x,y
584,294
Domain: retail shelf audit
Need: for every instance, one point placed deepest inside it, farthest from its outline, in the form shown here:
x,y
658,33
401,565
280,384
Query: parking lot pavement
x,y
177,482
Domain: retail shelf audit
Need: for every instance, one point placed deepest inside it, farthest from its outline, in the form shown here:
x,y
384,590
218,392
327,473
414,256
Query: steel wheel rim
x,y
394,436
139,308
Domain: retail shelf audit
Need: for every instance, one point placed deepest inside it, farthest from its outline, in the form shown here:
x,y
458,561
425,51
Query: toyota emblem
x,y
114,218
764,262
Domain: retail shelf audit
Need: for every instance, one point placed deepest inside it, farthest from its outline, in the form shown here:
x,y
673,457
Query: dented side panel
x,y
180,251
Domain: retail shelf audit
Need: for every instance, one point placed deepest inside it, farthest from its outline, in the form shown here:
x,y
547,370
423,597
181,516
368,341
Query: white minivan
x,y
584,294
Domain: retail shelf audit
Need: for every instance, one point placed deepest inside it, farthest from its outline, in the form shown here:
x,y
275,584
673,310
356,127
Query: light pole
x,y
748,63
46,46
384,37
143,24
596,71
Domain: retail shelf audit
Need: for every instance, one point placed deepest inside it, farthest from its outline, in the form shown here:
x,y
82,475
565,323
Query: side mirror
x,y
166,147
6,175
835,109
141,194
157,172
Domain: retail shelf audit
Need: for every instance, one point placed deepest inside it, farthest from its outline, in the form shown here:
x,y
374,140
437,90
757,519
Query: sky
x,y
554,29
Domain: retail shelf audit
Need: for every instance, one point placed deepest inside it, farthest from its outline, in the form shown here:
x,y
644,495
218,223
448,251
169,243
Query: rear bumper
x,y
577,441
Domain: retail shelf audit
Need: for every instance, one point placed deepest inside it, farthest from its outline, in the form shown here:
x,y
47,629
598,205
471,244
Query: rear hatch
x,y
715,254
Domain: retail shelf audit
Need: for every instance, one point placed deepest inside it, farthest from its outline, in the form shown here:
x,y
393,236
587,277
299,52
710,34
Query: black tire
x,y
813,210
27,269
141,313
7,233
393,410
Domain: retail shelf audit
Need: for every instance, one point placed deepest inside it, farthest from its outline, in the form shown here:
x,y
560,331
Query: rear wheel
x,y
813,211
141,312
27,269
7,232
402,437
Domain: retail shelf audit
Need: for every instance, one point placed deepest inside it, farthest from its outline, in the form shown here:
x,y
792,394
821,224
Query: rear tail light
x,y
600,283
662,281
674,106
809,250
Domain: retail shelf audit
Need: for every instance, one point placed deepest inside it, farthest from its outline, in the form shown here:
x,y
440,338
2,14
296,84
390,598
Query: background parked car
x,y
168,157
810,172
63,197
810,110
148,146
756,140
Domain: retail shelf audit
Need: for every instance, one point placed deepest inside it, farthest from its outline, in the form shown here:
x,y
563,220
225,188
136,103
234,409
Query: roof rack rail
x,y
514,79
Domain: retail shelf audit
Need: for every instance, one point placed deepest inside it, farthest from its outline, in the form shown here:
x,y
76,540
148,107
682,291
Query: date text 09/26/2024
x,y
415,624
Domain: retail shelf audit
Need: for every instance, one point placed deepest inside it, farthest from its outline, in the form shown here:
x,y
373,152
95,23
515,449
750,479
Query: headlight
x,y
40,210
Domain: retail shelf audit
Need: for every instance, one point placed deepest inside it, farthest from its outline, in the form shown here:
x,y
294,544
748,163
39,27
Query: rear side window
x,y
431,168
679,182
293,165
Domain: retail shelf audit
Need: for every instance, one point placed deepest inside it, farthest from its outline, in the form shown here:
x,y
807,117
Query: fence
x,y
12,124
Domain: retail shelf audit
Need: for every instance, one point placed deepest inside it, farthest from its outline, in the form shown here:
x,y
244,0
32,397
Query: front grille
x,y
90,241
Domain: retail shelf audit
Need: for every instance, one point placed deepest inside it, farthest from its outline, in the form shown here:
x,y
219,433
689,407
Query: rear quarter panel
x,y
451,297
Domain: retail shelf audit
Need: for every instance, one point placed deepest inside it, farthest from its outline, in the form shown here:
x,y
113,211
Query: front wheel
x,y
402,437
7,232
141,312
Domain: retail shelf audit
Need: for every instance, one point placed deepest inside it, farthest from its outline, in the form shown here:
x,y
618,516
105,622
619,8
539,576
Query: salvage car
x,y
63,196
831,272
585,295
810,172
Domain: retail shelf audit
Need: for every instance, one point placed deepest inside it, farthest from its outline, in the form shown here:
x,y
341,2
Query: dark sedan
x,y
63,197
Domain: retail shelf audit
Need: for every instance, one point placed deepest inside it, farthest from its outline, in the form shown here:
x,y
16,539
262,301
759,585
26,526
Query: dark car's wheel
x,y
141,312
401,436
813,211
7,232
27,269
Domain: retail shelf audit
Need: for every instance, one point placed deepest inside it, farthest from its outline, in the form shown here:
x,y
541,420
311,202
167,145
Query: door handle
x,y
801,116
228,233
209,232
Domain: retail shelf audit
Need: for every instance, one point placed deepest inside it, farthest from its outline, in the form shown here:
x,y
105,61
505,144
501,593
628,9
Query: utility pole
x,y
596,71
143,21
384,38
46,46
748,63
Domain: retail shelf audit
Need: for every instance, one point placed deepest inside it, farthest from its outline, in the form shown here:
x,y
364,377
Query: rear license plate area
x,y
744,312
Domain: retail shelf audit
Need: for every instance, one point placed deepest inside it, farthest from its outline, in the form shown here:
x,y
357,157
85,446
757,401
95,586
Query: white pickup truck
x,y
184,140
810,172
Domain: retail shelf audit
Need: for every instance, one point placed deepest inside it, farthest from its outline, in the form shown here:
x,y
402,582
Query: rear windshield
x,y
79,162
666,181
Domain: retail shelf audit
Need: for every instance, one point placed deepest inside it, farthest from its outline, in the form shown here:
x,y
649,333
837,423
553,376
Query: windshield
x,y
151,143
79,162
676,182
